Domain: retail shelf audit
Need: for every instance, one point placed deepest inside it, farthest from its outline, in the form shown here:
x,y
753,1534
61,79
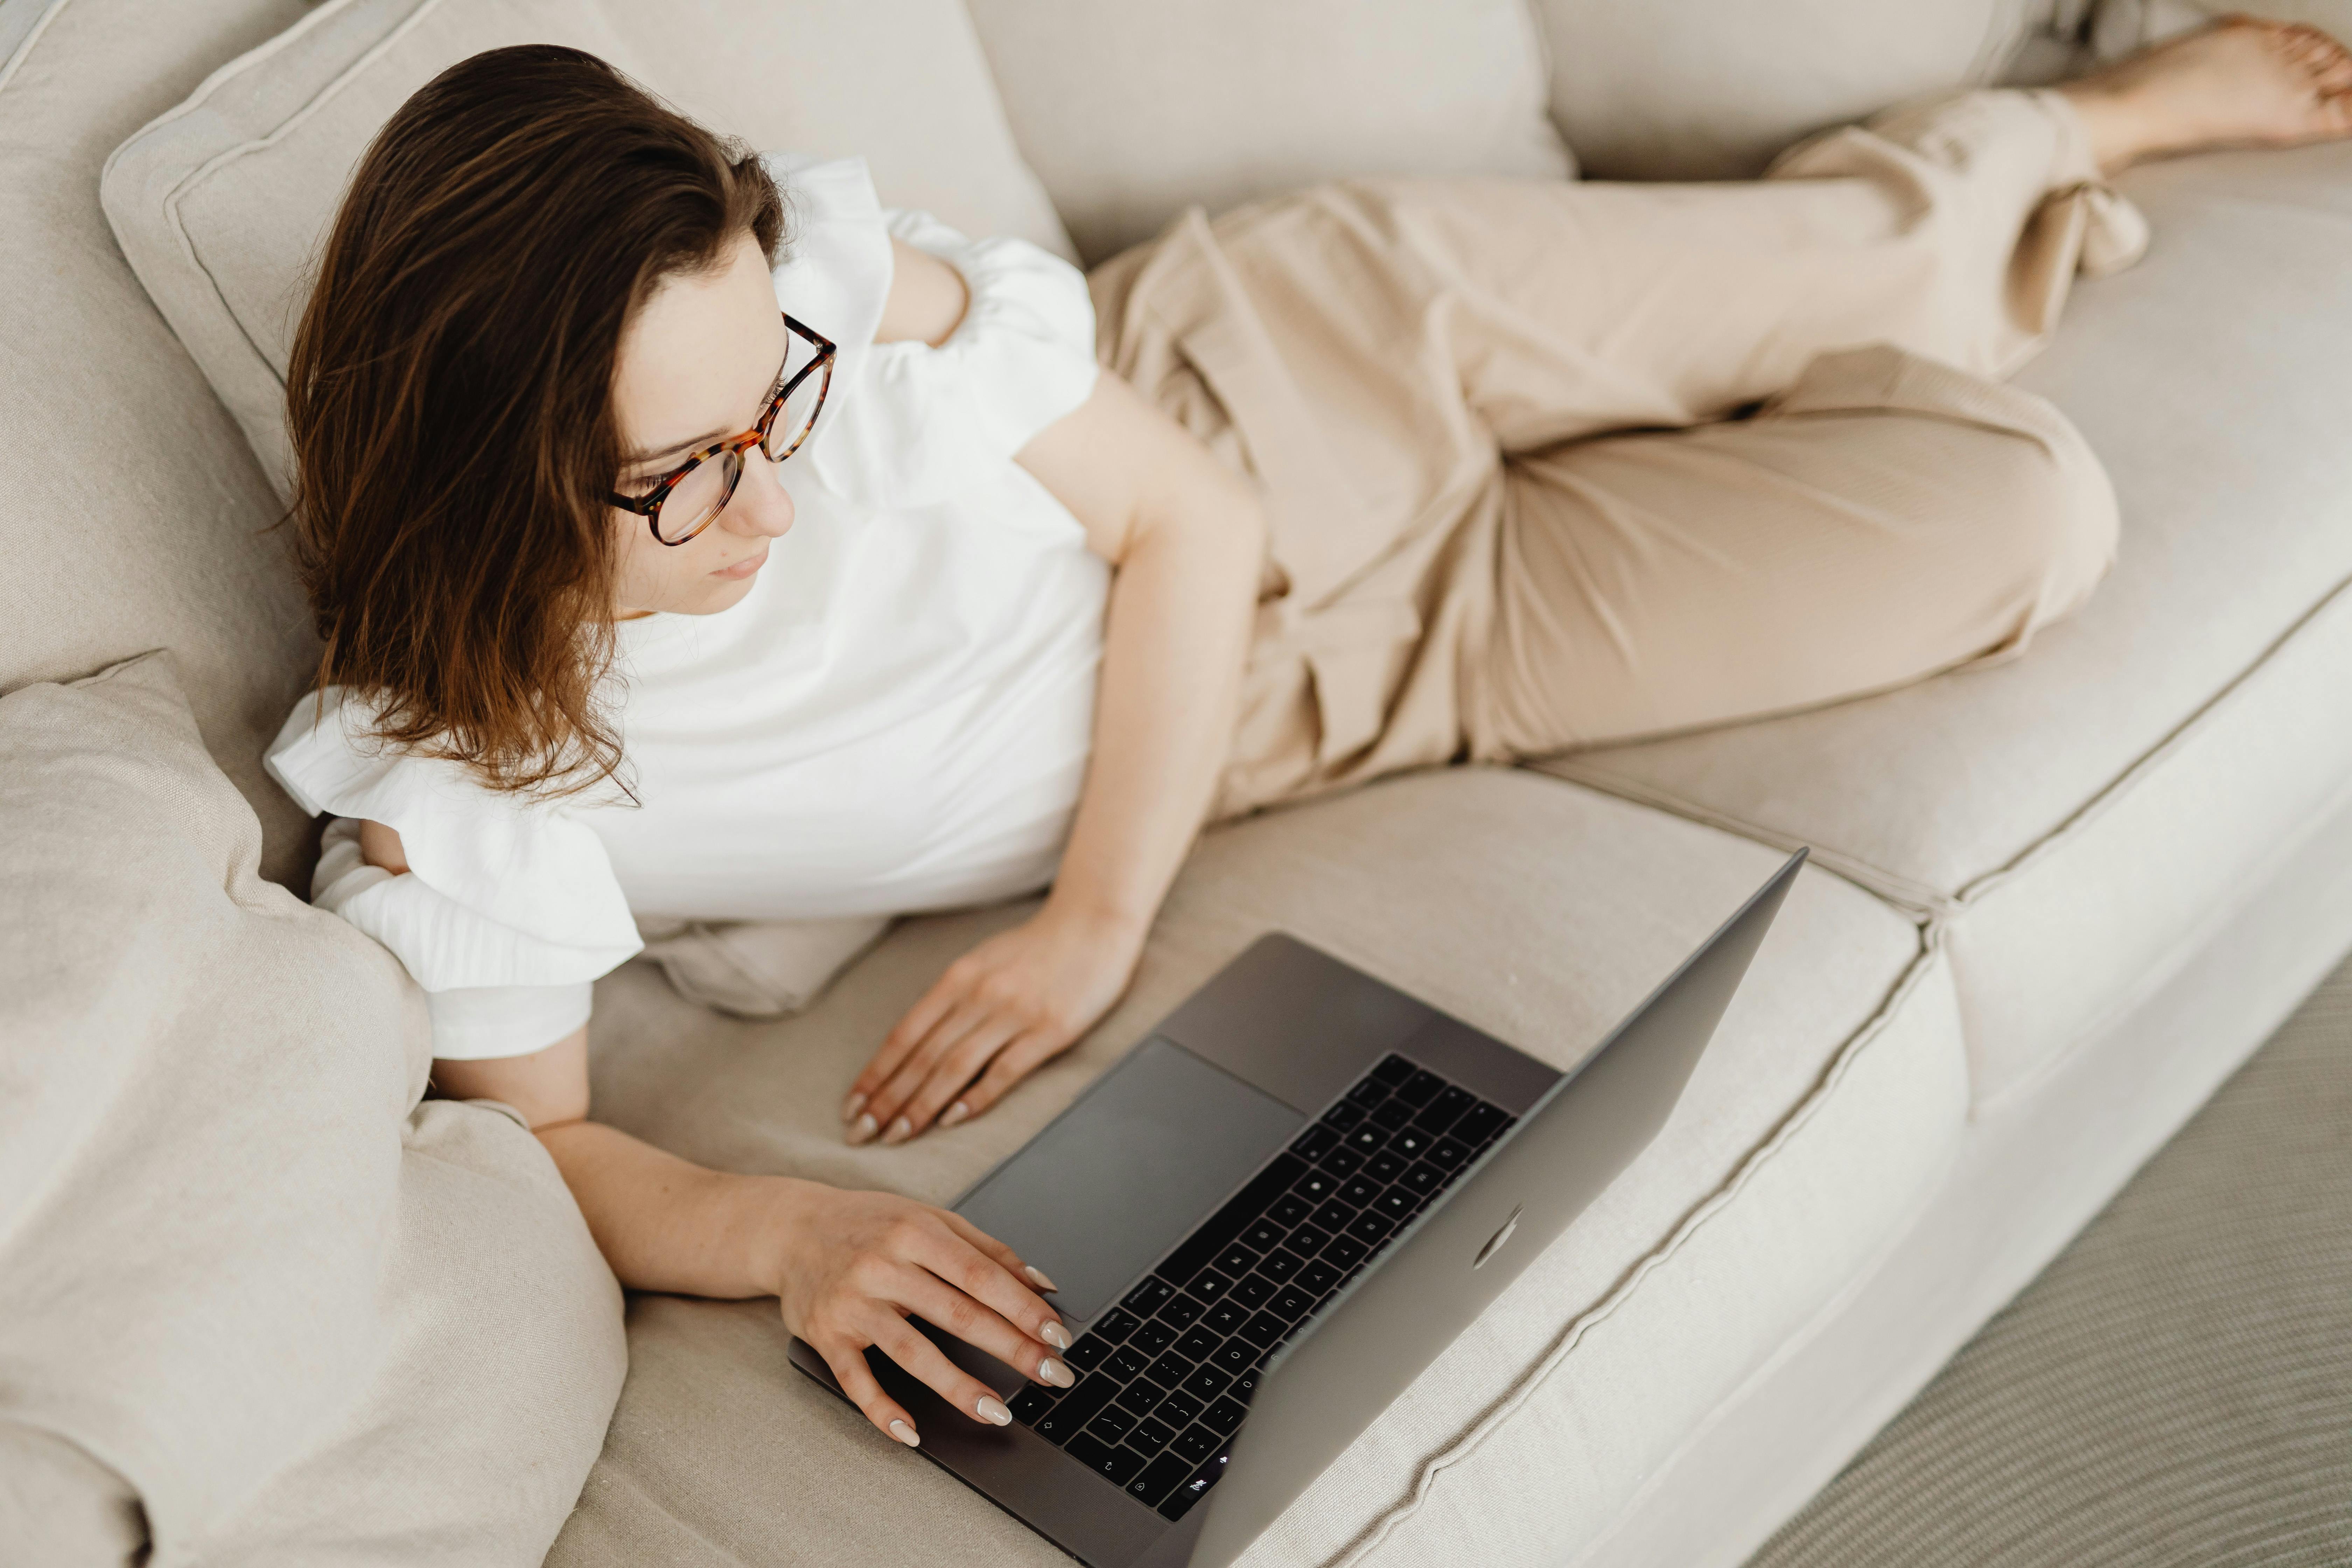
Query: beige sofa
x,y
2053,902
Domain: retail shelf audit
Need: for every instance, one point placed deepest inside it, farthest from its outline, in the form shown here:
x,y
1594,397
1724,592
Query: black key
x,y
1384,1166
1138,1398
1482,1122
1343,1252
1171,1370
1244,1387
1033,1402
1214,1233
1315,1143
1196,1344
1370,1092
1440,1113
1316,1187
1149,1437
1393,1069
1257,1290
1077,1408
1179,1408
1263,1235
1411,1144
1279,1264
1087,1354
1224,1318
1343,1116
1119,1464
1265,1330
1126,1365
1117,1323
1179,1501
1207,1383
1449,1152
1359,1192
1236,1260
1391,1114
1367,1138
1370,1228
1334,1216
1423,1179
1288,1209
1397,1203
1197,1443
1159,1477
1421,1088
1342,1163
1236,1354
1179,1312
1146,1298
1317,1278
1224,1416
1290,1303
1112,1425
1208,1285
1151,1338
1307,1241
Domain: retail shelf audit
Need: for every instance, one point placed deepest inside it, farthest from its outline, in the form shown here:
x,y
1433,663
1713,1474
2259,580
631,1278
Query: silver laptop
x,y
1266,1223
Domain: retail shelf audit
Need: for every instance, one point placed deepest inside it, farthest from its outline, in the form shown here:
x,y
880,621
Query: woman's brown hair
x,y
449,397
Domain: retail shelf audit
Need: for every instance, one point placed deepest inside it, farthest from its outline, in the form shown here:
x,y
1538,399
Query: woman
x,y
642,596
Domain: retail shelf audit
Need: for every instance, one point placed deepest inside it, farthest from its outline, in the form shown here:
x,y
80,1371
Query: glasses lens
x,y
694,500
799,411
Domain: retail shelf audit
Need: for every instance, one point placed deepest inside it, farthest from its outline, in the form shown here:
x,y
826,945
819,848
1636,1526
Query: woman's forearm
x,y
665,1223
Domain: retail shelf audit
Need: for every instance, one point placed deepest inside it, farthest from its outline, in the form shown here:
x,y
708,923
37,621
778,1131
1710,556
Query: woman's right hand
x,y
850,1267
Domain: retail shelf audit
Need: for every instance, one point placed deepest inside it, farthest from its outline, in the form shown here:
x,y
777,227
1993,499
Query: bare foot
x,y
2238,83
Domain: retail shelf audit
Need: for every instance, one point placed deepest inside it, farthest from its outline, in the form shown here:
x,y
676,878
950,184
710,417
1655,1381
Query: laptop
x,y
1269,1219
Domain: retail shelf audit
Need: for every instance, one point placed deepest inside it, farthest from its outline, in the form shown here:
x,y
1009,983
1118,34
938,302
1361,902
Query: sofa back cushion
x,y
244,1274
221,204
1132,112
1710,89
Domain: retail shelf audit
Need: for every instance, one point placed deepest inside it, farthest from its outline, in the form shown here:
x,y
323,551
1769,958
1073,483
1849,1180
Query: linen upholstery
x,y
221,204
1131,113
246,1278
1539,911
2078,817
135,514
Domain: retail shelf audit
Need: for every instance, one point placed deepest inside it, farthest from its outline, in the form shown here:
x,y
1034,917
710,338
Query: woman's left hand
x,y
1018,999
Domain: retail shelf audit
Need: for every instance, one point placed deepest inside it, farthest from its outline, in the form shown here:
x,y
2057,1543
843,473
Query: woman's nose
x,y
762,507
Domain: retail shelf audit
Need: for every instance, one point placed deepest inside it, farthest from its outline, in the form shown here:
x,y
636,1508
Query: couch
x,y
2052,903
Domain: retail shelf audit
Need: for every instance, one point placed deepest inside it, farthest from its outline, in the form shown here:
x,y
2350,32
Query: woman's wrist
x,y
1106,920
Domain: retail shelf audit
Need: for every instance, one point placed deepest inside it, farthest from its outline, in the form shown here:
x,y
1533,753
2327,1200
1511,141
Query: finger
x,y
955,1260
953,1069
905,1036
1008,1259
905,1344
856,1380
1025,1055
935,1301
891,1098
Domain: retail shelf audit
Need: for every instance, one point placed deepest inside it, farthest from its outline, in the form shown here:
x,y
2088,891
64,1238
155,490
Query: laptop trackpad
x,y
1128,1171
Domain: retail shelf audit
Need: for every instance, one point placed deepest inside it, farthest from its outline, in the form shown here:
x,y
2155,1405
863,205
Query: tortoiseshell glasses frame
x,y
730,451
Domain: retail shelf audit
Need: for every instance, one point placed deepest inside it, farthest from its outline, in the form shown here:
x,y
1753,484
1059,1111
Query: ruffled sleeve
x,y
907,425
509,909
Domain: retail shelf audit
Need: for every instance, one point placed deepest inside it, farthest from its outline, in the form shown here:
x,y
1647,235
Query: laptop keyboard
x,y
1165,1378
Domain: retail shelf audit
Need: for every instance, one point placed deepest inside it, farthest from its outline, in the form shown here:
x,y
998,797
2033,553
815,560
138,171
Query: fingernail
x,y
1038,1279
1055,1373
863,1131
906,1434
955,1113
900,1130
1056,1335
990,1410
852,1106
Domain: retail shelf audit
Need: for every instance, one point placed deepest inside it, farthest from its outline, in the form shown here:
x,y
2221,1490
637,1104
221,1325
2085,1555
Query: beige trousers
x,y
1553,464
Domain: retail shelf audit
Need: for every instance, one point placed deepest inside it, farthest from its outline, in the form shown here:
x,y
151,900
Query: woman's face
x,y
697,362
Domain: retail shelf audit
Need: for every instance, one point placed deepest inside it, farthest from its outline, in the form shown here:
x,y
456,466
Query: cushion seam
x,y
1468,1441
24,50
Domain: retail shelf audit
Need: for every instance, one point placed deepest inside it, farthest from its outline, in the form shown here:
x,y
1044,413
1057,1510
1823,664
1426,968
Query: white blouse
x,y
896,718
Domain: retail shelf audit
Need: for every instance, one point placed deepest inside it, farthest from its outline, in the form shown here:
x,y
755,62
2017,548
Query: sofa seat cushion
x,y
1538,910
2076,817
258,1304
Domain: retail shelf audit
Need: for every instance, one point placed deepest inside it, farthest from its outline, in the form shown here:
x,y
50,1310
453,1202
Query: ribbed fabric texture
x,y
2175,1389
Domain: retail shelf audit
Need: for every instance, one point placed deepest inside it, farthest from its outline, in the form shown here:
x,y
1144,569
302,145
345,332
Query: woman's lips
x,y
743,568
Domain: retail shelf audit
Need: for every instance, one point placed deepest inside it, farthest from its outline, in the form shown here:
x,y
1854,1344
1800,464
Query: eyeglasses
x,y
686,501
